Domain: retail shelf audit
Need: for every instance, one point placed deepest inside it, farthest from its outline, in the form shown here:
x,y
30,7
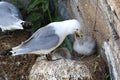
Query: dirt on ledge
x,y
18,67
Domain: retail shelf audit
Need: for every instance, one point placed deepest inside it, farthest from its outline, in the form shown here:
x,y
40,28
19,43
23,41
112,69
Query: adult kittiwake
x,y
10,18
46,39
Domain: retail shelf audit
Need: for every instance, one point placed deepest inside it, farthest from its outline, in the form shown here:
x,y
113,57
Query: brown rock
x,y
66,69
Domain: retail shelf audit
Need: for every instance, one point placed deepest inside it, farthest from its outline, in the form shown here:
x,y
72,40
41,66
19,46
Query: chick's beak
x,y
77,34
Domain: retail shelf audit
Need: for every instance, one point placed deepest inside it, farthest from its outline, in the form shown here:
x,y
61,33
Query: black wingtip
x,y
6,52
27,25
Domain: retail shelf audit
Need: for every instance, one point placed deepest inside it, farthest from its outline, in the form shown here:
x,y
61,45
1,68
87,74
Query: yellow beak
x,y
75,37
77,33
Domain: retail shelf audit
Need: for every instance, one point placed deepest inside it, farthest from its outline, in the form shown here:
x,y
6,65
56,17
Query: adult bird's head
x,y
73,27
67,27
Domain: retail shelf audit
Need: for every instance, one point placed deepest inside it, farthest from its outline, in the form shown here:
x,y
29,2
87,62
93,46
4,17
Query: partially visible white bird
x,y
10,17
85,45
46,39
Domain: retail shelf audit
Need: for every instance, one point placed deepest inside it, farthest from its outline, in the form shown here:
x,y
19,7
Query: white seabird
x,y
85,45
46,39
10,17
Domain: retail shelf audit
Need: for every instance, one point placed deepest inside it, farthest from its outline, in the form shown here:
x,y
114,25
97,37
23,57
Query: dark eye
x,y
77,29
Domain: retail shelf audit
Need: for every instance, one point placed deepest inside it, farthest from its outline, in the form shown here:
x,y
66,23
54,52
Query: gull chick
x,y
46,39
59,53
10,18
85,45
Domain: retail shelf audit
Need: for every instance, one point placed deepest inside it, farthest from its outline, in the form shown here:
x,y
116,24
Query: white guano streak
x,y
111,60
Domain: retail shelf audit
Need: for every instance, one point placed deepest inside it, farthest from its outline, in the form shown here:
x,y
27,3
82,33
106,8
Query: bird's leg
x,y
48,56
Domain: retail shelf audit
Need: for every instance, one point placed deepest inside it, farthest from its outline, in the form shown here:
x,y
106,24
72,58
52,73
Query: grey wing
x,y
13,10
42,39
6,18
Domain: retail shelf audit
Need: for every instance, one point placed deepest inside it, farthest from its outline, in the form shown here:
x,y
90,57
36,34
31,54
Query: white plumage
x,y
46,39
10,17
85,45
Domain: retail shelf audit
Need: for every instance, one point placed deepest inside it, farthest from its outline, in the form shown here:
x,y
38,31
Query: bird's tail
x,y
6,52
14,51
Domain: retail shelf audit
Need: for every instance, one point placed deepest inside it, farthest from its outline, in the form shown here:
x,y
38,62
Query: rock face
x,y
100,18
65,69
61,69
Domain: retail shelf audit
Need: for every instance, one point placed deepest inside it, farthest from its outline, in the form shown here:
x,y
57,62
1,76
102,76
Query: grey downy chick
x,y
85,45
59,53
